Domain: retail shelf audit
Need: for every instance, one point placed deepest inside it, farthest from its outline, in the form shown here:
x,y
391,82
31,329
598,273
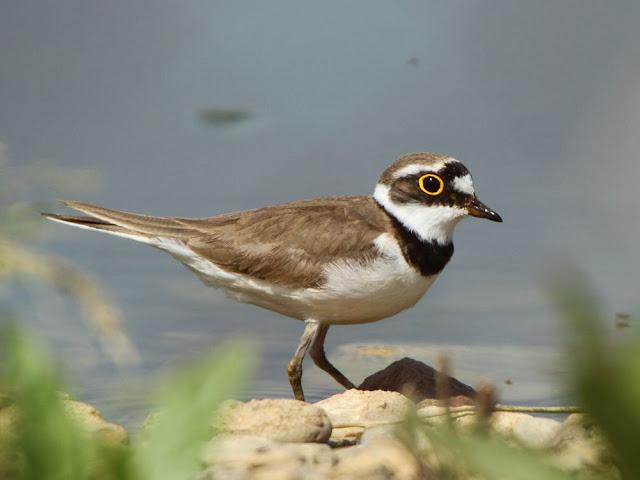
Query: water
x,y
539,101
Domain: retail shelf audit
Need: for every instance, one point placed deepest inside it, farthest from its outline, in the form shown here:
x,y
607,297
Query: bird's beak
x,y
476,208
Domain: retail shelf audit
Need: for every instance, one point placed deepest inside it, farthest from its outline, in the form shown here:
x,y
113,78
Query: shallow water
x,y
542,105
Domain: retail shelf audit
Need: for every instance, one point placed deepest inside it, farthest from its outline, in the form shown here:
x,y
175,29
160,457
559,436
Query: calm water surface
x,y
540,103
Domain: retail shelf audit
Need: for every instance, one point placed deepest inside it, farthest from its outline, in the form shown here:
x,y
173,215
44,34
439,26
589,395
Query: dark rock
x,y
416,381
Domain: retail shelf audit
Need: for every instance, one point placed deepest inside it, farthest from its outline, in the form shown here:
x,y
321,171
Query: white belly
x,y
352,293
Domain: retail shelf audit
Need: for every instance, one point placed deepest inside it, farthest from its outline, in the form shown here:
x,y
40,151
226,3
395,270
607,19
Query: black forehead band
x,y
453,170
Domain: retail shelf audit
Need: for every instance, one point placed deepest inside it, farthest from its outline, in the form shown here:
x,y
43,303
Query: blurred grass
x,y
20,260
606,373
45,443
186,407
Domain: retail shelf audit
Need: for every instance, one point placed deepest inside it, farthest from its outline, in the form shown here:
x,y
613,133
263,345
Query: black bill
x,y
476,208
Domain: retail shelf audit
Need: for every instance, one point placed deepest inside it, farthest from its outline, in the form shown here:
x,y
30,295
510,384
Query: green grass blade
x,y
46,443
186,409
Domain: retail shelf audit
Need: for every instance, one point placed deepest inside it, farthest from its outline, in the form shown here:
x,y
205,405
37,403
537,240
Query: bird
x,y
338,260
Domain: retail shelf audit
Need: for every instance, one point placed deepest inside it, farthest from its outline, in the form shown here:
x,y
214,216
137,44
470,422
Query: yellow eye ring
x,y
432,192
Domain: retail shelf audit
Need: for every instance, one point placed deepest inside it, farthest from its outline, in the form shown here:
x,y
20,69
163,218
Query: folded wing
x,y
287,245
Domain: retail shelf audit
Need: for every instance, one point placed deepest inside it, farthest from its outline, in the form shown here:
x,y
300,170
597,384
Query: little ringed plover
x,y
333,260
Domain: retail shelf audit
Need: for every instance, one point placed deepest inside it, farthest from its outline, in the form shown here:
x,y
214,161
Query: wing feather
x,y
288,244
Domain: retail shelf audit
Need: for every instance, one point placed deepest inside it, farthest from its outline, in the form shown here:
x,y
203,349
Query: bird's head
x,y
429,194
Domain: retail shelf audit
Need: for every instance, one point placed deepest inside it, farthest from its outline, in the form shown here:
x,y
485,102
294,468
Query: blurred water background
x,y
198,108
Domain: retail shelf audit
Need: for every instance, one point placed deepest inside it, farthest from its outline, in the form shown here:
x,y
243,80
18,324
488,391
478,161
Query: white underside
x,y
353,292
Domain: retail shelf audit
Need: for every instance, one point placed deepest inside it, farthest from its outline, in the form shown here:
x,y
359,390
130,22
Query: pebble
x,y
354,410
279,419
534,432
382,458
91,420
238,457
86,416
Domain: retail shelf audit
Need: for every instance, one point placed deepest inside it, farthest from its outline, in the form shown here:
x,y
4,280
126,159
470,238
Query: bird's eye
x,y
431,184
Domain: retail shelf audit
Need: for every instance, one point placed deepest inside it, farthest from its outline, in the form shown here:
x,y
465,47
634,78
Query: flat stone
x,y
454,401
414,379
232,457
382,458
374,434
437,415
279,419
534,432
365,408
354,410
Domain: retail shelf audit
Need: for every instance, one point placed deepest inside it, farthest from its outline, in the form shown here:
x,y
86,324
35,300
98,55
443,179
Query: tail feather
x,y
132,222
91,223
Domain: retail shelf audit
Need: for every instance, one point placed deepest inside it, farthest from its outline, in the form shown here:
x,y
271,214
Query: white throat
x,y
430,223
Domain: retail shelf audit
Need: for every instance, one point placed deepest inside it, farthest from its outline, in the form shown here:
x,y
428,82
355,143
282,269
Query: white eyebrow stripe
x,y
415,168
464,184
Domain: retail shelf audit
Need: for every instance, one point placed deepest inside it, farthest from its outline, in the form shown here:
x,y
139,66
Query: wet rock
x,y
414,379
279,419
243,457
354,410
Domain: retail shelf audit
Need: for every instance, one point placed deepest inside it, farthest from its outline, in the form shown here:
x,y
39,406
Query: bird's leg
x,y
320,358
294,369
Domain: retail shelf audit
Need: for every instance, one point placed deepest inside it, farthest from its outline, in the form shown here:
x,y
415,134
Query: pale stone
x,y
279,419
534,432
90,419
86,416
437,415
345,436
382,458
232,457
579,446
354,410
381,432
365,408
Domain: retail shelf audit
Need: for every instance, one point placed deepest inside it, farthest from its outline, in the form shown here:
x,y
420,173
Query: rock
x,y
414,379
382,458
354,410
279,419
86,416
579,446
242,457
365,408
89,418
457,401
534,432
436,415
374,434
